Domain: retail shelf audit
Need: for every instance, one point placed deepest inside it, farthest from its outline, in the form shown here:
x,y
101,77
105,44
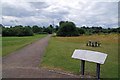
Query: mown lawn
x,y
60,49
11,44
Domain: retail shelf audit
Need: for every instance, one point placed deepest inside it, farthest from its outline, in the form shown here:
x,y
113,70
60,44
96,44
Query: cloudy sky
x,y
44,12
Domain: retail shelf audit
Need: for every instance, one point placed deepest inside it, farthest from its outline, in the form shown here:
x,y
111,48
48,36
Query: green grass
x,y
60,49
11,44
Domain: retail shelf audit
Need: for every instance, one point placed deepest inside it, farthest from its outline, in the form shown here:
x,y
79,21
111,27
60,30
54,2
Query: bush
x,y
67,29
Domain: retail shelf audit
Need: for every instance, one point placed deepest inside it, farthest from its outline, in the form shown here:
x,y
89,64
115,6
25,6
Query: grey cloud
x,y
2,18
102,13
57,14
7,23
98,13
9,10
107,9
39,5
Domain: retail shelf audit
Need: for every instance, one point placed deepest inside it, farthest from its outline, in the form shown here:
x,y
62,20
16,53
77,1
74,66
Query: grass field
x,y
10,44
60,49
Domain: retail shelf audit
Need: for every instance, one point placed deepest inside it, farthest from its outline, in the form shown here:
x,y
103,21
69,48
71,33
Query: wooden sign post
x,y
91,56
98,71
82,66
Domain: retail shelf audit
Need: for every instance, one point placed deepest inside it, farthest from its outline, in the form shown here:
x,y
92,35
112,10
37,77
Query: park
x,y
54,52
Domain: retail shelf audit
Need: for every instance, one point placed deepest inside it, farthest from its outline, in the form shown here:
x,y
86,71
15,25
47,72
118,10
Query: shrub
x,y
67,29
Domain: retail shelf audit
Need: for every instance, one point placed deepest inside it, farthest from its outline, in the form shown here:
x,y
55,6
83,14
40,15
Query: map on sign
x,y
91,56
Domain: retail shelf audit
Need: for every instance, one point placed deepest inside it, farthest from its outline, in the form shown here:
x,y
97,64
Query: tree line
x,y
20,30
99,29
65,28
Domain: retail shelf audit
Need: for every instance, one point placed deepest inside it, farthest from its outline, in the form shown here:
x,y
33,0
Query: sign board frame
x,y
91,56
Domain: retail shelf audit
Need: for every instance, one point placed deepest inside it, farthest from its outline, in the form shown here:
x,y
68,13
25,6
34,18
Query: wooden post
x,y
98,71
82,66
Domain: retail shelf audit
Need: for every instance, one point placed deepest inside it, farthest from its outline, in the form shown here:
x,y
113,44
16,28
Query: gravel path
x,y
24,63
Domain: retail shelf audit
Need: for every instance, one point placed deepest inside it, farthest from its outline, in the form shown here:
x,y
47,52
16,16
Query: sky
x,y
45,12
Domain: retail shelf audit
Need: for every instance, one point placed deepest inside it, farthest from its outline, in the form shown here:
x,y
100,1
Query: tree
x,y
67,29
36,29
49,30
51,26
61,22
81,31
17,31
1,26
6,32
27,31
56,28
118,29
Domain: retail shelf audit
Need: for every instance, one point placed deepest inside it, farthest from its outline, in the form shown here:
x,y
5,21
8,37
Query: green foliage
x,y
17,31
56,28
1,28
49,29
118,29
67,29
81,31
98,30
61,22
26,30
36,29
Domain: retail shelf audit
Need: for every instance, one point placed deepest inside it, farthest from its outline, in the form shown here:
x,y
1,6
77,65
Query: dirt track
x,y
24,63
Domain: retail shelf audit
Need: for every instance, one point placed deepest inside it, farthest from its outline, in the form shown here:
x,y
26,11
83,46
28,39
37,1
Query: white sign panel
x,y
91,56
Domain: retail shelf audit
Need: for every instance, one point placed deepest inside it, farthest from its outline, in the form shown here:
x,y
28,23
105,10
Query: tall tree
x,y
67,29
